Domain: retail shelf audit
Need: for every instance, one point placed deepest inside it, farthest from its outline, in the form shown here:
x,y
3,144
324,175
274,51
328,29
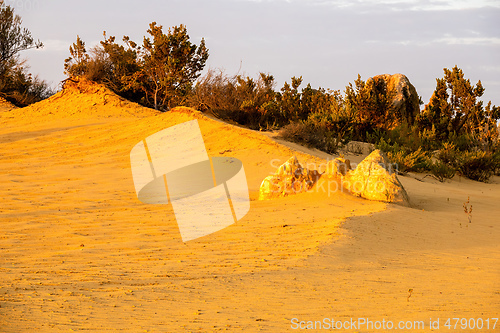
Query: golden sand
x,y
79,252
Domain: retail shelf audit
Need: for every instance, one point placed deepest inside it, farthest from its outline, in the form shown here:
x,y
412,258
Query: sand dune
x,y
79,252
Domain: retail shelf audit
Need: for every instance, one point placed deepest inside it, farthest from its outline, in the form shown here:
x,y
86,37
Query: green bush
x,y
447,154
326,129
441,170
405,159
406,162
478,165
313,135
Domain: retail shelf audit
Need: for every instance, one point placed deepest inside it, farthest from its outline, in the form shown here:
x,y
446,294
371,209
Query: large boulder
x,y
290,178
374,179
405,99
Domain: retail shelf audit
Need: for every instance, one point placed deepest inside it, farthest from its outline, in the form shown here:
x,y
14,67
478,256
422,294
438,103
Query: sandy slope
x,y
80,252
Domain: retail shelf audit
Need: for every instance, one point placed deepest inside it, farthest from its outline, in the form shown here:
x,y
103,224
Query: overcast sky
x,y
327,42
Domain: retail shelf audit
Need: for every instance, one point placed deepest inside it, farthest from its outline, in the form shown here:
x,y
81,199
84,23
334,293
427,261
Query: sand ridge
x,y
6,105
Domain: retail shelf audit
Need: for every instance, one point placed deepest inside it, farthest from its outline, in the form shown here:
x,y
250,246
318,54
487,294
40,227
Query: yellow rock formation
x,y
372,179
290,178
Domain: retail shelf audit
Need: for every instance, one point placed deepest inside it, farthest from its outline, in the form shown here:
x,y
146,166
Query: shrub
x,y
440,170
406,162
247,101
372,102
405,159
325,129
216,92
312,135
478,165
447,154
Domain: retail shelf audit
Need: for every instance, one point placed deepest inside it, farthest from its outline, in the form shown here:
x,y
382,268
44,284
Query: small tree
x,y
454,111
122,65
16,84
170,64
13,37
372,103
77,63
290,99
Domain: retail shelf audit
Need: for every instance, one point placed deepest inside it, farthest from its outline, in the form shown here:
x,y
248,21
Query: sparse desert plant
x,y
468,209
410,291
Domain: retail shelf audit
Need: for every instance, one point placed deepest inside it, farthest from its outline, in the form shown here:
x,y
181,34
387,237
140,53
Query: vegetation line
x,y
454,133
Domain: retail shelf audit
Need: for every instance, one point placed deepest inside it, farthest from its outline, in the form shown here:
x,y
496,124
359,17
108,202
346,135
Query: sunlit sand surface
x,y
80,252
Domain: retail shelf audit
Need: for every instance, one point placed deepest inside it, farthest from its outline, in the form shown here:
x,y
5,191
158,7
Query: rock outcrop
x,y
290,178
373,179
405,99
337,168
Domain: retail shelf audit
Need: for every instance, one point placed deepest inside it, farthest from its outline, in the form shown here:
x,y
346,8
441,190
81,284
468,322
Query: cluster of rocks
x,y
372,179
